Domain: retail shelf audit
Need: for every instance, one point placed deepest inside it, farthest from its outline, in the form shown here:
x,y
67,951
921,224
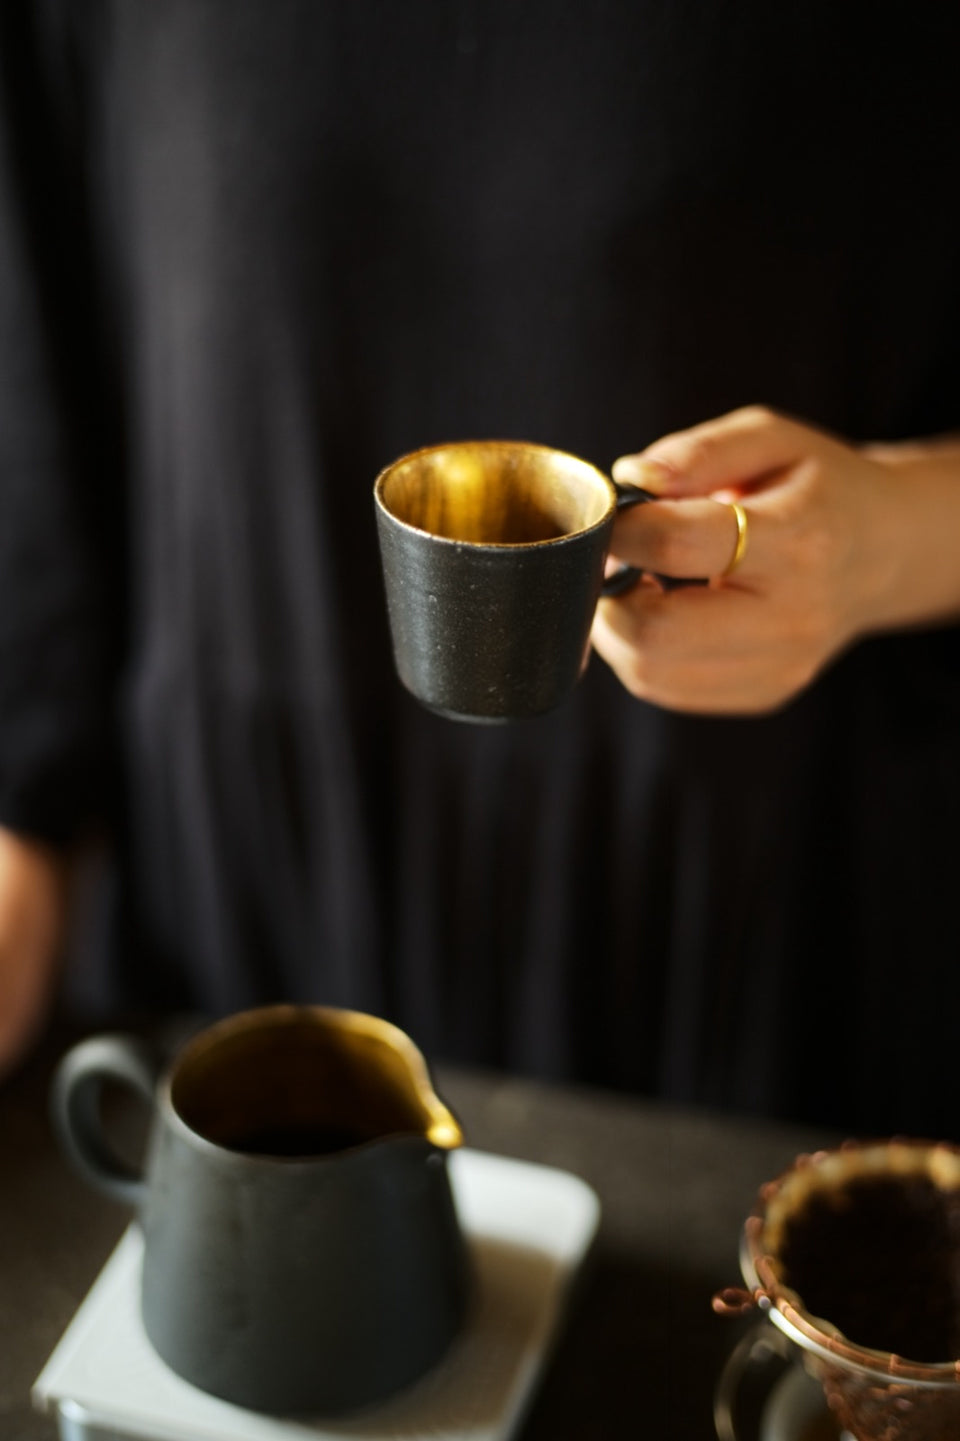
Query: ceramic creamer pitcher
x,y
302,1251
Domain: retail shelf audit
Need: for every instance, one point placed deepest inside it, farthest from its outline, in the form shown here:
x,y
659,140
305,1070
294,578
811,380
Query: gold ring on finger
x,y
740,549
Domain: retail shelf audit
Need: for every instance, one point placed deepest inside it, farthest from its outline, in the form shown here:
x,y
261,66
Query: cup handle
x,y
75,1107
758,1345
626,576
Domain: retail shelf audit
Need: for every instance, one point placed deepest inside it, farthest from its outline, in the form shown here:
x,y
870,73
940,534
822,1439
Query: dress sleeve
x,y
57,649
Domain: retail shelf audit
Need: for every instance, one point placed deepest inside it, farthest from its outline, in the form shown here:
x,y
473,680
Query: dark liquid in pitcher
x,y
313,1140
880,1259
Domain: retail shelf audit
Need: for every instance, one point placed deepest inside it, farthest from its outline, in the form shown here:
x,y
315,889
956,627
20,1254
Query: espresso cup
x,y
493,560
302,1251
854,1254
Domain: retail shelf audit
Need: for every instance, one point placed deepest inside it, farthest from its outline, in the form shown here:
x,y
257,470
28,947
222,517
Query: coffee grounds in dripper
x,y
879,1258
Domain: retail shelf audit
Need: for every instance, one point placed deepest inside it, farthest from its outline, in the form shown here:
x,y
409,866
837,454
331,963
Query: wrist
x,y
915,535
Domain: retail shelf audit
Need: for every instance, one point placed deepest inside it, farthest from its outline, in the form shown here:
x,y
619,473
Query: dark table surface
x,y
641,1349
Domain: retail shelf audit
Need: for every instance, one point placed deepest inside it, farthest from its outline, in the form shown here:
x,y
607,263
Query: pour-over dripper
x,y
875,1393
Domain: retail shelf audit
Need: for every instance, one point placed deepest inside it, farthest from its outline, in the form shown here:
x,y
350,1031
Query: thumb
x,y
733,452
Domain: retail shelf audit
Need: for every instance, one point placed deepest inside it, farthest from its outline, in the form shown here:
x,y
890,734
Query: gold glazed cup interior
x,y
496,493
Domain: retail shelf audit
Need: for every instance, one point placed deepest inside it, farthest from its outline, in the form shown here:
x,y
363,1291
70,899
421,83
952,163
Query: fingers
x,y
689,539
733,452
805,582
703,652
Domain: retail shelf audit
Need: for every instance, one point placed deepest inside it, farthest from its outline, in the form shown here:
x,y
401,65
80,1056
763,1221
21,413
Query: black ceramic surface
x,y
304,1286
485,636
279,1281
493,555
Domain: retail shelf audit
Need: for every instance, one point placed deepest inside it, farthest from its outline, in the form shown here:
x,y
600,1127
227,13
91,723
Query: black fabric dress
x,y
253,251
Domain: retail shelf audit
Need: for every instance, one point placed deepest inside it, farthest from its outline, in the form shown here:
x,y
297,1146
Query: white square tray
x,y
529,1228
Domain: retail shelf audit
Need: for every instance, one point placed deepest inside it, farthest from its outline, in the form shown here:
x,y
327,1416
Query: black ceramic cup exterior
x,y
493,557
302,1252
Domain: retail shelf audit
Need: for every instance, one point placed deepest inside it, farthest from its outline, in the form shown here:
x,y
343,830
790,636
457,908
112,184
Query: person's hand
x,y
841,543
33,886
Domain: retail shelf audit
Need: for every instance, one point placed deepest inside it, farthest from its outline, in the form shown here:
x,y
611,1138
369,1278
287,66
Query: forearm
x,y
921,528
33,892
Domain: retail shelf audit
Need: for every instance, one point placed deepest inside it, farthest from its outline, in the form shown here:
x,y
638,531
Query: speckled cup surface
x,y
493,557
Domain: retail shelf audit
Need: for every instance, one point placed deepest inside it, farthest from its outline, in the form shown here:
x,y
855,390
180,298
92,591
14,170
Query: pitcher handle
x,y
75,1108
